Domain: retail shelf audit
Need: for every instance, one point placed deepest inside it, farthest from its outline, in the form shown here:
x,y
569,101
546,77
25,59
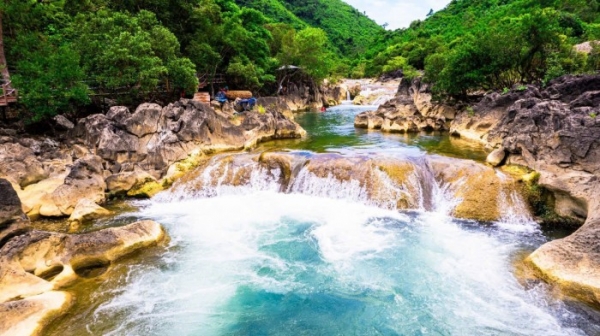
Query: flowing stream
x,y
317,256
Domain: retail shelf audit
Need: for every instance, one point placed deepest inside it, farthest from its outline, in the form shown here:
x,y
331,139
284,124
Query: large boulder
x,y
496,157
84,181
144,121
20,164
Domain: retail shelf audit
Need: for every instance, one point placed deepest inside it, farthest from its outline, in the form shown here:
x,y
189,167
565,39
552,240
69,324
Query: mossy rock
x,y
147,189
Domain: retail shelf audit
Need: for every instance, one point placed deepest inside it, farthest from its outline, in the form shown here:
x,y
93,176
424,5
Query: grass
x,y
261,109
470,111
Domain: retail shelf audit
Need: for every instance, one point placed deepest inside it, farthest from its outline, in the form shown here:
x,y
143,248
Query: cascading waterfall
x,y
253,256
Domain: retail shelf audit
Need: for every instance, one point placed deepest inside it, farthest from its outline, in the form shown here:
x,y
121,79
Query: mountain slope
x,y
350,31
493,44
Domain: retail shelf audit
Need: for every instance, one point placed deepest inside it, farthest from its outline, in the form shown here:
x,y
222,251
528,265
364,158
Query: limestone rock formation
x,y
154,138
389,182
29,316
412,110
556,132
20,164
34,265
12,219
86,210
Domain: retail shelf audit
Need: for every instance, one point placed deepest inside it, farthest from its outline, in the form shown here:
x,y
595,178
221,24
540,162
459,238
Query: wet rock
x,y
20,164
119,184
36,264
496,157
389,182
29,316
412,110
86,210
355,89
479,189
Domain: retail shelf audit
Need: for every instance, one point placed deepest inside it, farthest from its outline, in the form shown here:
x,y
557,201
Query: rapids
x,y
259,248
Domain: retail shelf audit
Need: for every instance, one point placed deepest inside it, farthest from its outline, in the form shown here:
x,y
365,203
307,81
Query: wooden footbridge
x,y
9,94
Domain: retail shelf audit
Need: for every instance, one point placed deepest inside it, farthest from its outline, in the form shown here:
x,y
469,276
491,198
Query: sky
x,y
398,14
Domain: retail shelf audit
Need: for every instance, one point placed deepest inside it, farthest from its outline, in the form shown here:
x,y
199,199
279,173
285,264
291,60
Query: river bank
x,y
552,131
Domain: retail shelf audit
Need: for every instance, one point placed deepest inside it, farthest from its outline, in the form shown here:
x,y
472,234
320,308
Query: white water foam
x,y
422,274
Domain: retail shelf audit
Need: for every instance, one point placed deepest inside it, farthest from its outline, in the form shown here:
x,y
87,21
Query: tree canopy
x,y
491,44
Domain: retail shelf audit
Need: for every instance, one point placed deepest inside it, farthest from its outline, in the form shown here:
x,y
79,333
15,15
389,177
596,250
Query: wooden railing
x,y
207,79
9,94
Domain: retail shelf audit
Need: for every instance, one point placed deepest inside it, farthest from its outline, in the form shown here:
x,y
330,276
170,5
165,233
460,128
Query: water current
x,y
319,259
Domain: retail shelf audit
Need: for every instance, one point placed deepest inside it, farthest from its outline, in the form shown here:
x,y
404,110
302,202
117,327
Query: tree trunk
x,y
3,64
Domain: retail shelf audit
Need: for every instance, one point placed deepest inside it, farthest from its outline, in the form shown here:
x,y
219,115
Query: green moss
x,y
542,203
146,189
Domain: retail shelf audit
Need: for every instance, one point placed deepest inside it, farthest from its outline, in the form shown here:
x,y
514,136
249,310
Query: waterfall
x,y
403,183
348,97
269,242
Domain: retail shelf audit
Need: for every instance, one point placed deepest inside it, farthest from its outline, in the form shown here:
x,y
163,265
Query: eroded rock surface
x,y
125,153
412,110
34,265
153,138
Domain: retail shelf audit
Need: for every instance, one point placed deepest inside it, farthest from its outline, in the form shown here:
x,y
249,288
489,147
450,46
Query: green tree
x,y
50,81
133,53
310,50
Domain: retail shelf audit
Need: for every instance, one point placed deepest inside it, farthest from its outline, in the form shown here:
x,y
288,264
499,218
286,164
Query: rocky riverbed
x,y
553,131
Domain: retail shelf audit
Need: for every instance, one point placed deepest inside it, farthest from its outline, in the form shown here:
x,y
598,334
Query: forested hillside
x,y
350,32
492,44
64,53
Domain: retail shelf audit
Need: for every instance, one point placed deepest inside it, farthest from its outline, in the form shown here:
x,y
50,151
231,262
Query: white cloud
x,y
398,14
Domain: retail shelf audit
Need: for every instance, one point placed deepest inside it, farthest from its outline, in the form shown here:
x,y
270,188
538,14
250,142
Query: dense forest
x,y
491,44
64,54
61,54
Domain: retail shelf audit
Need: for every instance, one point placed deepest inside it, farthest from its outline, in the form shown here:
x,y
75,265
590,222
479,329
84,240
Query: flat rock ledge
x,y
35,266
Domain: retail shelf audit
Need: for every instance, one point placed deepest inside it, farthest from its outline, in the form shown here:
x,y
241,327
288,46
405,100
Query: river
x,y
320,258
